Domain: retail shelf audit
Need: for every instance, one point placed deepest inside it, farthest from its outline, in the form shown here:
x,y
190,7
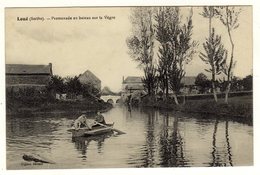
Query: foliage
x,y
90,90
236,84
176,46
215,54
203,82
208,12
229,18
162,18
141,45
29,96
73,85
150,80
248,82
57,84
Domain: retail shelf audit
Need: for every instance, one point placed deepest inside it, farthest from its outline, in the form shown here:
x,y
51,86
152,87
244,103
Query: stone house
x,y
23,75
133,86
89,78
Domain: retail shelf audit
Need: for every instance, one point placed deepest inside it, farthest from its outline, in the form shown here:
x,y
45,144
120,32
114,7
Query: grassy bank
x,y
41,105
239,107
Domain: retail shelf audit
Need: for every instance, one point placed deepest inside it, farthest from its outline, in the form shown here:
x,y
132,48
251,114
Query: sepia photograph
x,y
129,87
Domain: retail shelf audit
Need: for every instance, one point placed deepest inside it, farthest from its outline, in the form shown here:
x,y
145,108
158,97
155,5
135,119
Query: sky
x,y
99,45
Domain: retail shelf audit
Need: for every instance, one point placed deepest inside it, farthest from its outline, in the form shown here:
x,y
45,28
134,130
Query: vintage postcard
x,y
129,87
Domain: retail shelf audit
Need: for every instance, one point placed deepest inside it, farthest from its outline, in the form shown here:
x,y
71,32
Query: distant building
x,y
133,86
89,78
189,86
23,75
106,91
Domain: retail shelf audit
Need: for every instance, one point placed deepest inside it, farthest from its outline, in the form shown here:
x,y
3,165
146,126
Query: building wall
x,y
135,90
27,79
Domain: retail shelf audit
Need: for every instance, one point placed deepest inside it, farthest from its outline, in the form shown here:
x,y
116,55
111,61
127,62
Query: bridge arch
x,y
111,98
110,101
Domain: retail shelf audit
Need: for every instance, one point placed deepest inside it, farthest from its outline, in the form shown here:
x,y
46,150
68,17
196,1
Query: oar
x,y
116,130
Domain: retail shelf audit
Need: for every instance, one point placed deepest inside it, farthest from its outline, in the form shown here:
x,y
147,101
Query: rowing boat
x,y
96,130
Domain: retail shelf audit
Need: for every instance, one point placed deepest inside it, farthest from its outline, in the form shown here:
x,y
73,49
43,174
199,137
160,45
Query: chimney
x,y
50,65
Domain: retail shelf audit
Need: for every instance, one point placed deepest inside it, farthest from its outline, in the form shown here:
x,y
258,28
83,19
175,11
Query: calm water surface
x,y
154,139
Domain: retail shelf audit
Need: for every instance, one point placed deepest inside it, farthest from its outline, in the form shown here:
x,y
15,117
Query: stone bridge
x,y
111,98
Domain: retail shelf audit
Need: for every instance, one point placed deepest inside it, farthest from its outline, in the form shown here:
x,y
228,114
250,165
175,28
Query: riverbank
x,y
15,106
239,107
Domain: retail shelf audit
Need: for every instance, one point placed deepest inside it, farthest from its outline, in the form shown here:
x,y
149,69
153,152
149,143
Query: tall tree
x,y
215,55
229,18
176,46
162,18
183,48
141,45
210,12
149,79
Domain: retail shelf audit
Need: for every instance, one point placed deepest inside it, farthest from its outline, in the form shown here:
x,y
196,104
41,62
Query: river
x,y
154,139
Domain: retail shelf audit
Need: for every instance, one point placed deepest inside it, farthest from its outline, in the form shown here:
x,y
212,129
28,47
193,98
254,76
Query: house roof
x,y
88,74
25,69
134,87
188,80
133,79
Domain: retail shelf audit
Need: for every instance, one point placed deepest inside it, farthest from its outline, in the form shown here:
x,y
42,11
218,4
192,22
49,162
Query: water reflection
x,y
150,140
228,146
215,156
221,156
82,143
171,144
154,139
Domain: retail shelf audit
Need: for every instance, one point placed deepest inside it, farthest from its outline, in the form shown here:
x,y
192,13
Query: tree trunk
x,y
176,99
213,69
210,25
229,75
167,87
184,99
214,92
227,92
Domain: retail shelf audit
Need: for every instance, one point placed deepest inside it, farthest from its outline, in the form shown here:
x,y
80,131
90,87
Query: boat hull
x,y
96,130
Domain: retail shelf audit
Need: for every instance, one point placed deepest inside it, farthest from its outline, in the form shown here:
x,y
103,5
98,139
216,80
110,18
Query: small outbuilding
x,y
25,75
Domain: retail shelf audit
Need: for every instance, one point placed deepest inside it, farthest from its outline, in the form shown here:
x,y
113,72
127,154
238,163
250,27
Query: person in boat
x,y
100,118
84,122
80,121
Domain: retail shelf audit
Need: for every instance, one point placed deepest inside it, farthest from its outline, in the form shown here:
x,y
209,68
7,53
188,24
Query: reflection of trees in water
x,y
220,158
213,153
82,143
228,145
171,145
30,126
31,133
148,156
